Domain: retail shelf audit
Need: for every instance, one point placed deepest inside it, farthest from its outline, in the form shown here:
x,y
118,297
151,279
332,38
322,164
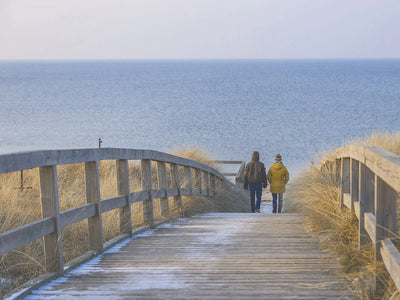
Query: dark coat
x,y
254,173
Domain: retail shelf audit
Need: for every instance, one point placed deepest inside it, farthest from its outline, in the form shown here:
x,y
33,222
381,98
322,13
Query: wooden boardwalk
x,y
213,256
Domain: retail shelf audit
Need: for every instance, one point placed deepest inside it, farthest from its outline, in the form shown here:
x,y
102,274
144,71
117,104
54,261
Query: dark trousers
x,y
255,191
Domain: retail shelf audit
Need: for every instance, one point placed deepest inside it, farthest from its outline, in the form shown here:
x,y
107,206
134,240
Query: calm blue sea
x,y
229,108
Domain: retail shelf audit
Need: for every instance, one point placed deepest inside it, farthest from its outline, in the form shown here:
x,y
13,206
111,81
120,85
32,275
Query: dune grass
x,y
23,206
315,193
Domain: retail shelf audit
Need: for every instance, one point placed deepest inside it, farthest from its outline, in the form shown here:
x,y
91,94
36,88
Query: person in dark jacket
x,y
255,177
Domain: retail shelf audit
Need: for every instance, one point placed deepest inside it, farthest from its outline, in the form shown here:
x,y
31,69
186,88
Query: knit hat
x,y
278,157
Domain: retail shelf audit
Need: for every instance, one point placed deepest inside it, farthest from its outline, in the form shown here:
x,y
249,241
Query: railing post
x,y
50,208
353,182
147,185
188,179
385,213
212,184
163,185
125,215
345,178
366,199
176,183
197,180
206,183
93,196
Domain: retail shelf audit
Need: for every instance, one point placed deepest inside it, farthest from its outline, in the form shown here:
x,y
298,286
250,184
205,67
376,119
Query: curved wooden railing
x,y
199,180
370,186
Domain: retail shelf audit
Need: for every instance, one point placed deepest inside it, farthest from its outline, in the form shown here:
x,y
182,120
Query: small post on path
x,y
100,141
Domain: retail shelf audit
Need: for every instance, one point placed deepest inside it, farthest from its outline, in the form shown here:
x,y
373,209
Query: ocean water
x,y
298,108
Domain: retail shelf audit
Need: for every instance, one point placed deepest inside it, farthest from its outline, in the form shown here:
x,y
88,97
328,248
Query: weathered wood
x,y
354,168
188,178
23,235
206,183
125,215
163,185
366,199
77,214
113,203
197,180
370,226
176,183
215,256
391,259
50,209
147,185
347,200
95,225
345,180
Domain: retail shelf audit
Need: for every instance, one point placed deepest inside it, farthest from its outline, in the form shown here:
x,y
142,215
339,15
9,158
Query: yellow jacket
x,y
278,176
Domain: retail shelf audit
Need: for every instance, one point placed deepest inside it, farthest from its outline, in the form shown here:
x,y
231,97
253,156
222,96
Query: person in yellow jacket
x,y
278,177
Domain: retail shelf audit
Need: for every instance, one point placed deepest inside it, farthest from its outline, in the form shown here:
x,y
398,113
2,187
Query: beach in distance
x,y
229,108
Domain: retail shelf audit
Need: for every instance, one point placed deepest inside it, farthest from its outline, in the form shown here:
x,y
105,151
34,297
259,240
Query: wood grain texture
x,y
213,256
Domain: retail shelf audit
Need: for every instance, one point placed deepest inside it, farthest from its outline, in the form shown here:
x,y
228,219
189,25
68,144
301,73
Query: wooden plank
x,y
50,208
163,185
354,180
214,256
112,203
125,215
20,236
347,200
391,259
357,209
77,214
95,224
140,196
147,185
345,178
370,226
176,184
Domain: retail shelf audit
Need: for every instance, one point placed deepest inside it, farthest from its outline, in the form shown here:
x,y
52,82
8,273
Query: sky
x,y
199,29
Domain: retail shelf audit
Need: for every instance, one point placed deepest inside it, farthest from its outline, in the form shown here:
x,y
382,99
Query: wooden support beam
x,y
345,178
366,199
95,226
176,183
163,185
197,180
188,179
125,215
50,208
354,169
147,185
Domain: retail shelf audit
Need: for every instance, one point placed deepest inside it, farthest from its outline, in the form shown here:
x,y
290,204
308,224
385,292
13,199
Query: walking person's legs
x,y
258,194
280,202
252,198
274,202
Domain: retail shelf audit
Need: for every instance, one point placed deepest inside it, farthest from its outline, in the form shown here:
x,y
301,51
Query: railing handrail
x,y
202,181
370,186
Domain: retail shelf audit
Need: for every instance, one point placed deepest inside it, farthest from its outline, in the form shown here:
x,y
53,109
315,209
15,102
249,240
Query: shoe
x,y
258,210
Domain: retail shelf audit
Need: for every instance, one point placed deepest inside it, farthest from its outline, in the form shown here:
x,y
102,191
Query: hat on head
x,y
278,157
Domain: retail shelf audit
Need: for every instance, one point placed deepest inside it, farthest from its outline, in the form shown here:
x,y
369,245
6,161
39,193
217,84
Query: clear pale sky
x,y
199,29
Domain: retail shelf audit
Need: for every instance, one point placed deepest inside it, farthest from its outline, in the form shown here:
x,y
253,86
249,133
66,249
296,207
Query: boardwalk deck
x,y
213,256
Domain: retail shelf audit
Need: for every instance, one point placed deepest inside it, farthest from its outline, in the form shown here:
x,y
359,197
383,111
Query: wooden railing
x,y
199,179
370,186
239,176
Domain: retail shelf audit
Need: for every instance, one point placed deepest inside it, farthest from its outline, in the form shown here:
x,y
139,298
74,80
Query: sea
x,y
227,108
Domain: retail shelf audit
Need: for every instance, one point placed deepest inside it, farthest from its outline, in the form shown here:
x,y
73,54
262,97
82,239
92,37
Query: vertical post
x,y
163,185
125,215
385,212
50,209
93,196
206,182
354,168
345,178
188,179
366,198
212,184
147,185
176,184
197,180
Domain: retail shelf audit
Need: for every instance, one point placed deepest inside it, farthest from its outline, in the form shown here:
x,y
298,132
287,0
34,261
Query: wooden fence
x,y
370,186
196,179
239,176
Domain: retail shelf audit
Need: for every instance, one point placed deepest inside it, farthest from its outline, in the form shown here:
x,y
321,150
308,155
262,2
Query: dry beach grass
x,y
315,193
22,206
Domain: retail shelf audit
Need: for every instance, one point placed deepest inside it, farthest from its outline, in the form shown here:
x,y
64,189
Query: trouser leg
x,y
280,202
274,202
252,199
258,194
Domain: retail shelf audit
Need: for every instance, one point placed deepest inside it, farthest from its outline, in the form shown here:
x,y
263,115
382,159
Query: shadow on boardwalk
x,y
212,256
